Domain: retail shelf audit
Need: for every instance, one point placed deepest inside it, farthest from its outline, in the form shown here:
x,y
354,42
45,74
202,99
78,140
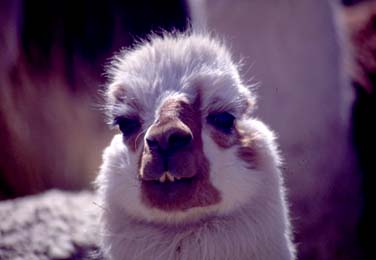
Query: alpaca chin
x,y
192,175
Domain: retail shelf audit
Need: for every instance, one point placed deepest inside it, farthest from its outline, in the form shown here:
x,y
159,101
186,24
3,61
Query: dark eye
x,y
223,121
127,126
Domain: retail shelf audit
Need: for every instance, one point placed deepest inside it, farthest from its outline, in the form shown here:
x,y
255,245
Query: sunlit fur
x,y
251,219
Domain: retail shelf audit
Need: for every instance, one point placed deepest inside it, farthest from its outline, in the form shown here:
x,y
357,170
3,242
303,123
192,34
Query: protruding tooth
x,y
170,177
162,178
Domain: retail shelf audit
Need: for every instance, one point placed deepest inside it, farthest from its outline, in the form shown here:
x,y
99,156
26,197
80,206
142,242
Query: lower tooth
x,y
170,177
162,178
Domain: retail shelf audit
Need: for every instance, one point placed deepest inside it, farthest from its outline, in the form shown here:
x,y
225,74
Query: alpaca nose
x,y
169,138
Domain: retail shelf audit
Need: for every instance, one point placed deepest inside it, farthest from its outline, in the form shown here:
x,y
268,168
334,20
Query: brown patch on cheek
x,y
201,194
246,142
206,193
248,148
223,140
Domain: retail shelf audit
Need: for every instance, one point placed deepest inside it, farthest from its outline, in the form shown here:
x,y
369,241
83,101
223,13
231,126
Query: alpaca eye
x,y
127,126
222,121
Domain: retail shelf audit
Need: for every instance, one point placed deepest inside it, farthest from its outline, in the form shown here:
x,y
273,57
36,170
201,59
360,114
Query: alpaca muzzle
x,y
173,169
168,152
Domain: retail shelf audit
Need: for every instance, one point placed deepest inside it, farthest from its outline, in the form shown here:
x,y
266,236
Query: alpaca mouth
x,y
169,192
167,177
171,181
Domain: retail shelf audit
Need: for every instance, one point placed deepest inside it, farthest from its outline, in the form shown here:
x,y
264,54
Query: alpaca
x,y
191,175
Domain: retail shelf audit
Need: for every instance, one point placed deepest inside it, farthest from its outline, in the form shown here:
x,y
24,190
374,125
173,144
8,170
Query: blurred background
x,y
316,61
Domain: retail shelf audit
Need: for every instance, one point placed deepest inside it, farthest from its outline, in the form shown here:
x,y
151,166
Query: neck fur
x,y
243,235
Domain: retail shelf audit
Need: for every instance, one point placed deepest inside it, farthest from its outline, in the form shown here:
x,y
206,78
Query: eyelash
x,y
127,126
223,121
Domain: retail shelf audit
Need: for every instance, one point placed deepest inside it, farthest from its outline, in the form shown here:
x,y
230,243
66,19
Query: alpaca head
x,y
188,147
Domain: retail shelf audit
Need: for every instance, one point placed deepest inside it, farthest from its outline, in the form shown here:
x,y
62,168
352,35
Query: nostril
x,y
152,144
179,140
167,139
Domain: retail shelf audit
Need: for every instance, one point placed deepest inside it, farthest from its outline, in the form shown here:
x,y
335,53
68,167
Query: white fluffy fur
x,y
251,220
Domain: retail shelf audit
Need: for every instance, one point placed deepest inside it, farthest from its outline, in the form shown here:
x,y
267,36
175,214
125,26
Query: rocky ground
x,y
52,225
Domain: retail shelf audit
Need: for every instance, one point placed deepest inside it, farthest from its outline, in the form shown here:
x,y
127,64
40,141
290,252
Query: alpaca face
x,y
188,147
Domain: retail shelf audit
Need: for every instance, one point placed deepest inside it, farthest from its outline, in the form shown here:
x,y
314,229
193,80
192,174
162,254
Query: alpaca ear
x,y
249,102
115,92
114,96
251,105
